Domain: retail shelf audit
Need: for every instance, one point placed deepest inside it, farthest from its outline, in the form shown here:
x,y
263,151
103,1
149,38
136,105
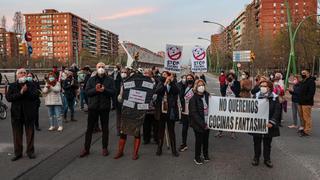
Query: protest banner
x,y
173,58
238,115
199,60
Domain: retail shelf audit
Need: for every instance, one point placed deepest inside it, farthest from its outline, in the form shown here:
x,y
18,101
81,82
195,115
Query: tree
x,y
18,23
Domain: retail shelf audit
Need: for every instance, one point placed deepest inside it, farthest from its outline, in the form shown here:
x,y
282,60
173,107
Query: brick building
x,y
9,44
63,35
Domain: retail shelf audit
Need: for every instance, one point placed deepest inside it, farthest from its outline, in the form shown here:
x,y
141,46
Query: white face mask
x,y
263,90
123,75
276,83
243,76
115,69
184,81
22,80
101,71
201,89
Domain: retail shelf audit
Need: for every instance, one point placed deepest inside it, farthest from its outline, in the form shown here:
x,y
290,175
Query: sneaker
x,y
206,159
255,162
268,163
292,126
51,128
60,128
303,134
198,161
183,148
218,134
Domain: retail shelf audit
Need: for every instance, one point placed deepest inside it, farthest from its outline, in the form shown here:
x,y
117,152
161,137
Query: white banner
x,y
238,115
199,59
173,58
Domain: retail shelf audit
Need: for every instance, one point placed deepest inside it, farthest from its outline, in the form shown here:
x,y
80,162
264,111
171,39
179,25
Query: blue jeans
x,y
64,103
82,98
69,105
54,112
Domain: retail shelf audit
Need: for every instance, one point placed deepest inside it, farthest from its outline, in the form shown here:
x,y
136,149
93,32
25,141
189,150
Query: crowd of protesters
x,y
183,100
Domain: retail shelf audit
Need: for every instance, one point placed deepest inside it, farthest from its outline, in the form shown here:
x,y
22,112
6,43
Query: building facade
x,y
64,35
9,44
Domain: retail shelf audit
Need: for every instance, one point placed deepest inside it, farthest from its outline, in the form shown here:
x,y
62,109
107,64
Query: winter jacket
x,y
100,100
296,93
70,87
24,106
274,115
52,95
308,90
196,112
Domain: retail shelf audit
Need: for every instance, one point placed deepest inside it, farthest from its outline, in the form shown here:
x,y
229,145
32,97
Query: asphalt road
x,y
57,155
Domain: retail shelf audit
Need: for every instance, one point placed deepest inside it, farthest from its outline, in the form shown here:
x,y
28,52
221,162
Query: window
x,y
274,4
281,25
274,25
274,12
297,4
65,32
65,21
282,11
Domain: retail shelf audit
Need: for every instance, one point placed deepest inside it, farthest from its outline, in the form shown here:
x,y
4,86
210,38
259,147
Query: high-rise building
x,y
9,44
64,35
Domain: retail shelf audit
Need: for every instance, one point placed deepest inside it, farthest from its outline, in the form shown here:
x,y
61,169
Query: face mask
x,y
221,74
201,89
29,79
295,81
115,69
183,81
51,79
22,80
123,75
271,77
263,90
190,82
101,71
303,76
276,83
229,79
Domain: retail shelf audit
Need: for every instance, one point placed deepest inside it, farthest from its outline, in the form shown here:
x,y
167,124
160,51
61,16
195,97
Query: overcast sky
x,y
148,23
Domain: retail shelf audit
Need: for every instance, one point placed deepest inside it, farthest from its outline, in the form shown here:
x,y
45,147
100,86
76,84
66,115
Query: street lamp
x,y
216,48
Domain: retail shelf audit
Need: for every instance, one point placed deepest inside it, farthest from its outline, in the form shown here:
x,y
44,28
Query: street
x,y
293,157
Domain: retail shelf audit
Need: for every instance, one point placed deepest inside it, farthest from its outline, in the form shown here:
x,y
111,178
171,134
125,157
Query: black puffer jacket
x,y
23,106
70,87
100,100
196,112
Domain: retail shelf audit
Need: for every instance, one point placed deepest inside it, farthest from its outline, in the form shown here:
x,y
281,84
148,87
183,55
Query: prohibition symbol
x,y
199,53
174,53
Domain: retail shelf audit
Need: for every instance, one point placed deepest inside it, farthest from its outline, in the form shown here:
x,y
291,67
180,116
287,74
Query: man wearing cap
x,y
99,89
23,95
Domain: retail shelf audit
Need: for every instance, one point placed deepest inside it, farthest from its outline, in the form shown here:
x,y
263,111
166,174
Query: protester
x,y
116,76
245,85
256,87
199,109
23,96
232,90
82,74
295,98
222,81
168,91
70,88
266,92
99,89
149,124
308,89
53,101
279,90
31,78
187,94
55,71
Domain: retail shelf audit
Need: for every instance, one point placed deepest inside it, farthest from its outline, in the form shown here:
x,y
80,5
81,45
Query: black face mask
x,y
303,76
163,79
190,82
229,79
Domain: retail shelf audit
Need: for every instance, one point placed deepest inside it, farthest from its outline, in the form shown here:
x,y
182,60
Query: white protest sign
x,y
172,61
238,115
147,85
128,104
199,60
137,96
128,85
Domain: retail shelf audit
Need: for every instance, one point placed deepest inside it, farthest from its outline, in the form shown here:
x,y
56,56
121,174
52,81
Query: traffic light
x,y
22,48
252,56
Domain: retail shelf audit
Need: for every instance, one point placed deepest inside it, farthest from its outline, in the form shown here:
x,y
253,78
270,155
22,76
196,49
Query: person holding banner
x,y
266,92
198,114
187,94
167,90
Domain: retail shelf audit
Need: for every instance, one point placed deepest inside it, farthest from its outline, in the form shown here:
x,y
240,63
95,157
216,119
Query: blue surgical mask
x,y
29,79
51,79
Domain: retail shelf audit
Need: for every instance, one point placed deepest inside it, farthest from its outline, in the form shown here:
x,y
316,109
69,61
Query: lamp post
x,y
216,48
292,36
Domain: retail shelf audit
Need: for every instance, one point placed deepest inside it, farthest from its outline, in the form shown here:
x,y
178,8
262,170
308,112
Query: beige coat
x,y
52,95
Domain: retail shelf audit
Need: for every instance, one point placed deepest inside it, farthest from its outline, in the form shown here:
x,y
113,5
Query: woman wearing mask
x,y
31,78
278,89
53,101
245,85
233,90
266,92
198,114
167,91
187,95
295,97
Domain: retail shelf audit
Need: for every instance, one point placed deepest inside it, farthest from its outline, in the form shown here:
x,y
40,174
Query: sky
x,y
149,23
